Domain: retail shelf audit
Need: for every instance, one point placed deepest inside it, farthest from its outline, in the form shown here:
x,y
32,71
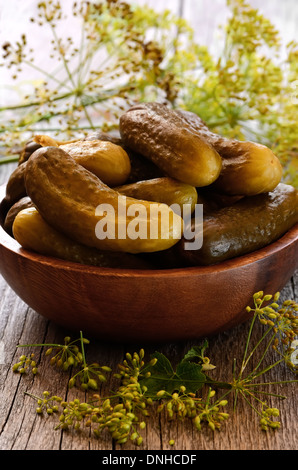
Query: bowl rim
x,y
9,243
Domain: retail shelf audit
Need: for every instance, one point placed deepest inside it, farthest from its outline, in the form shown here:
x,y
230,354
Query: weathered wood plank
x,y
21,428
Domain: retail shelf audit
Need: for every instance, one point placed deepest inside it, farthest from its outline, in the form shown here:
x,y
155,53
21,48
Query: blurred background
x,y
63,68
203,15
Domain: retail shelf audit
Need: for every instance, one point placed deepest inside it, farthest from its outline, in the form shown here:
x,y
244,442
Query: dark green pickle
x,y
166,139
244,227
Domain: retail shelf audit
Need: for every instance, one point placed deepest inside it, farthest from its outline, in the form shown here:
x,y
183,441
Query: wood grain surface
x,y
22,429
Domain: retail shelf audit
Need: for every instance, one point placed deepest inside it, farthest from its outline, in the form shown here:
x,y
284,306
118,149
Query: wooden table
x,y
22,429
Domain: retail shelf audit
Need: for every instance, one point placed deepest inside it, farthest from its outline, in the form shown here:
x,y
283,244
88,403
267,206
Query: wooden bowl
x,y
146,306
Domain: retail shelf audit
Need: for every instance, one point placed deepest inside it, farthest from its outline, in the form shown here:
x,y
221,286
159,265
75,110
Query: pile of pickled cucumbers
x,y
118,201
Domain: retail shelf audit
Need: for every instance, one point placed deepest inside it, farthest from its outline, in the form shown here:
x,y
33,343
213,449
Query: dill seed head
x,y
92,384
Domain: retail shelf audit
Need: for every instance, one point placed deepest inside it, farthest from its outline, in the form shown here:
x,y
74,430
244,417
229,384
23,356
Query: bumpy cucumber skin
x,y
33,233
27,151
67,195
248,225
15,188
248,168
164,190
158,133
23,203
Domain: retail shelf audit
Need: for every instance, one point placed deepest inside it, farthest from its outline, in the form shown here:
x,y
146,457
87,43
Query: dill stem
x,y
47,74
83,349
5,160
244,360
280,382
32,396
84,66
39,345
57,129
80,55
264,353
220,122
250,404
87,115
62,56
267,368
269,394
35,103
236,399
253,397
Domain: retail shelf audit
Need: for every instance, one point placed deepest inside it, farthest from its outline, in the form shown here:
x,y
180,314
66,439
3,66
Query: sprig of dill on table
x,y
185,392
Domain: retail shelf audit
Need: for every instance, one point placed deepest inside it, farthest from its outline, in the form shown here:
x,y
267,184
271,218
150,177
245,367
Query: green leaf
x,y
163,365
191,376
163,376
196,352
